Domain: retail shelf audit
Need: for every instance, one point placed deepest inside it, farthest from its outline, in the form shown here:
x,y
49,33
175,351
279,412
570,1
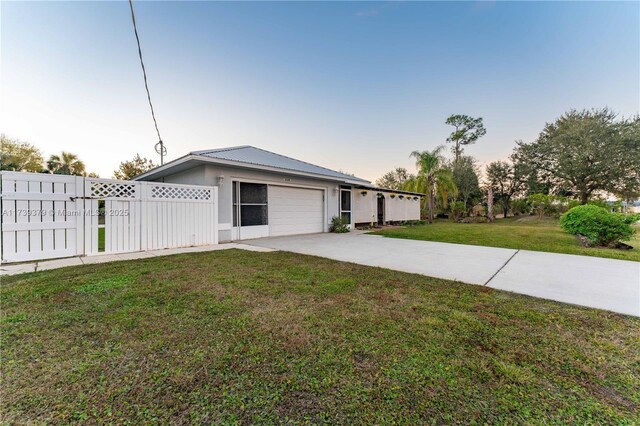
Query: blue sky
x,y
351,86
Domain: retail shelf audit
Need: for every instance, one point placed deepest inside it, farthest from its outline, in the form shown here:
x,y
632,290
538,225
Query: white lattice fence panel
x,y
173,220
176,192
106,188
42,216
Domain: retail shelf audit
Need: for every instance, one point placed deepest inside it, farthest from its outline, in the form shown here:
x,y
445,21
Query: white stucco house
x,y
261,193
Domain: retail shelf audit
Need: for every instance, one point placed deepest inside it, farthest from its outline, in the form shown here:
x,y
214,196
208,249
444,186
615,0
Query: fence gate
x,y
51,216
41,216
113,215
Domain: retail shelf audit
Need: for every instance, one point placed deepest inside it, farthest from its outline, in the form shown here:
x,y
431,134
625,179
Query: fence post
x,y
141,220
1,219
214,215
81,213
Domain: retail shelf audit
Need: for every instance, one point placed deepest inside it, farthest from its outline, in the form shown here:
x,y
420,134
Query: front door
x,y
345,205
380,209
250,210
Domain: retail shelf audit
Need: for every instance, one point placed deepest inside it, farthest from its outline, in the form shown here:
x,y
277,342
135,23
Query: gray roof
x,y
251,155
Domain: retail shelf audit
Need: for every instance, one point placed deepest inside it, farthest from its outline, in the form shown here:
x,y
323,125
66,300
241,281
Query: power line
x,y
160,149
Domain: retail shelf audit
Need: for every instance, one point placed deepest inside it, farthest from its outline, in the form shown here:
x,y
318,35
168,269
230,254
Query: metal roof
x,y
251,155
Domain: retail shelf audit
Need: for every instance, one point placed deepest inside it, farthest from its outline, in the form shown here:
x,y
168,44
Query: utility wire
x,y
162,149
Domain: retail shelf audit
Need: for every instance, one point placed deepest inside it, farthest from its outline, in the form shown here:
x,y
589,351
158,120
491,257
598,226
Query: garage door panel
x,y
298,209
295,210
309,203
296,221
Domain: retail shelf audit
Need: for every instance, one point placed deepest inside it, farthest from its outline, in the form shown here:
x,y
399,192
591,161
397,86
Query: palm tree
x,y
433,178
66,164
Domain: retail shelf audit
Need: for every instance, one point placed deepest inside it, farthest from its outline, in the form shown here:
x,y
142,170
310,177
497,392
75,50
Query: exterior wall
x,y
365,207
399,209
208,175
396,209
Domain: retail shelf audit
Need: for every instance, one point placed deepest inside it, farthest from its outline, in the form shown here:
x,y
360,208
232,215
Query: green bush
x,y
339,225
520,206
598,225
571,203
458,209
542,204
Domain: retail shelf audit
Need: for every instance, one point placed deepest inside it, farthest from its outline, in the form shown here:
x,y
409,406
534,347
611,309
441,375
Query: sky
x,y
353,86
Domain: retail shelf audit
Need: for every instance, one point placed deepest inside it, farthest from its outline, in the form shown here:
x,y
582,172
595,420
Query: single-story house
x,y
261,193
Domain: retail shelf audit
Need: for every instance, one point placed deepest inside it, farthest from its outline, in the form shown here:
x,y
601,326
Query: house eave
x,y
387,190
163,170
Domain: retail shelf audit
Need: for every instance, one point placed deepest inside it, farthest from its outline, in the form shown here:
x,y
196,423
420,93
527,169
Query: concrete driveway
x,y
608,284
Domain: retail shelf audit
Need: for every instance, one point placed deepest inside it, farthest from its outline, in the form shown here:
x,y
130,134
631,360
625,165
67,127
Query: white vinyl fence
x,y
50,216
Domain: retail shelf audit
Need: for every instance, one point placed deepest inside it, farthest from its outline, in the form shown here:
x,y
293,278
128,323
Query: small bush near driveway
x,y
599,226
339,225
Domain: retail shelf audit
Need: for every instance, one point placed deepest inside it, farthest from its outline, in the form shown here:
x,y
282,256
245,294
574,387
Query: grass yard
x,y
244,337
527,233
100,239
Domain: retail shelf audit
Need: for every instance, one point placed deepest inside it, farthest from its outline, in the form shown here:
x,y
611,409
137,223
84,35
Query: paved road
x,y
608,284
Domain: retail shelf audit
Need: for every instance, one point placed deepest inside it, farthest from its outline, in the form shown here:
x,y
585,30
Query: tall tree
x,y
19,156
465,176
66,164
627,185
505,180
467,131
584,152
394,179
433,179
490,216
129,169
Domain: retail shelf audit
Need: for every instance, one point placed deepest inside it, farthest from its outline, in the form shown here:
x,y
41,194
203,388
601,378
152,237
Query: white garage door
x,y
295,210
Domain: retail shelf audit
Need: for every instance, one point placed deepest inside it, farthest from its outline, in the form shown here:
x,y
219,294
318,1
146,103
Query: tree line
x,y
580,157
22,156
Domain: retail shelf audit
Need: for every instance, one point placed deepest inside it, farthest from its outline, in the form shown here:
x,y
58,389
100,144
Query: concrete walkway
x,y
608,284
103,258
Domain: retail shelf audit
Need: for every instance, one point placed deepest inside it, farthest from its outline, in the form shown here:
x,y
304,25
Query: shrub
x,y
520,206
339,225
458,209
597,225
542,204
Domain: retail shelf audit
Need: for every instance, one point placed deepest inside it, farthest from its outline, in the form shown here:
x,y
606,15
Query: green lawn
x,y
244,337
526,234
100,239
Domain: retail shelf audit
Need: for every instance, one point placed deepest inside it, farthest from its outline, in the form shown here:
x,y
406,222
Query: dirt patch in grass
x,y
243,337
